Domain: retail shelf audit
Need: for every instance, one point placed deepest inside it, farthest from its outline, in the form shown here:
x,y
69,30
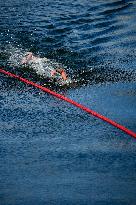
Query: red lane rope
x,y
82,107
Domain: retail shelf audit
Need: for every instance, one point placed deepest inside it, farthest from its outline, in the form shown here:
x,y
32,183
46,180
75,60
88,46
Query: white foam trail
x,y
42,66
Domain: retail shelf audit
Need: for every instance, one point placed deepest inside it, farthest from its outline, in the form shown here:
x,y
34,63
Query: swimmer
x,y
44,67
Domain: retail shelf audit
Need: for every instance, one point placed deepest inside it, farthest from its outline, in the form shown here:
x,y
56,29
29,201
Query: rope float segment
x,y
82,107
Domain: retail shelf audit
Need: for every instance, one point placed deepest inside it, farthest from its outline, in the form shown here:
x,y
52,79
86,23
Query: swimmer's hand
x,y
61,72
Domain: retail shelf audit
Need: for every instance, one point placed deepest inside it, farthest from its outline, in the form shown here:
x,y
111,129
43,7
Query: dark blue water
x,y
50,152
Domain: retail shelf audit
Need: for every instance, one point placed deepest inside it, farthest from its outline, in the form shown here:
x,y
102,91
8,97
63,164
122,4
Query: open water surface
x,y
51,152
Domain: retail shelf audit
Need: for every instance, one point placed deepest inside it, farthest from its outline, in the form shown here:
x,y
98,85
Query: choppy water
x,y
51,152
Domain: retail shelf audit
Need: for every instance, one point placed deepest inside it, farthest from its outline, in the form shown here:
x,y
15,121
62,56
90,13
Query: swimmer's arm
x,y
61,71
64,75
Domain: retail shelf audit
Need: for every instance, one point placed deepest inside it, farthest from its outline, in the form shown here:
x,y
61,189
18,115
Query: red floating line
x,y
82,107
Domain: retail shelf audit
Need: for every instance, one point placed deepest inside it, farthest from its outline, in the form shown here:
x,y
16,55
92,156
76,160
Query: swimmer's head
x,y
27,57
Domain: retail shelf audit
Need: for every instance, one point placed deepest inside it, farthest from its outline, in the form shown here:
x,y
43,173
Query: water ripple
x,y
51,152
